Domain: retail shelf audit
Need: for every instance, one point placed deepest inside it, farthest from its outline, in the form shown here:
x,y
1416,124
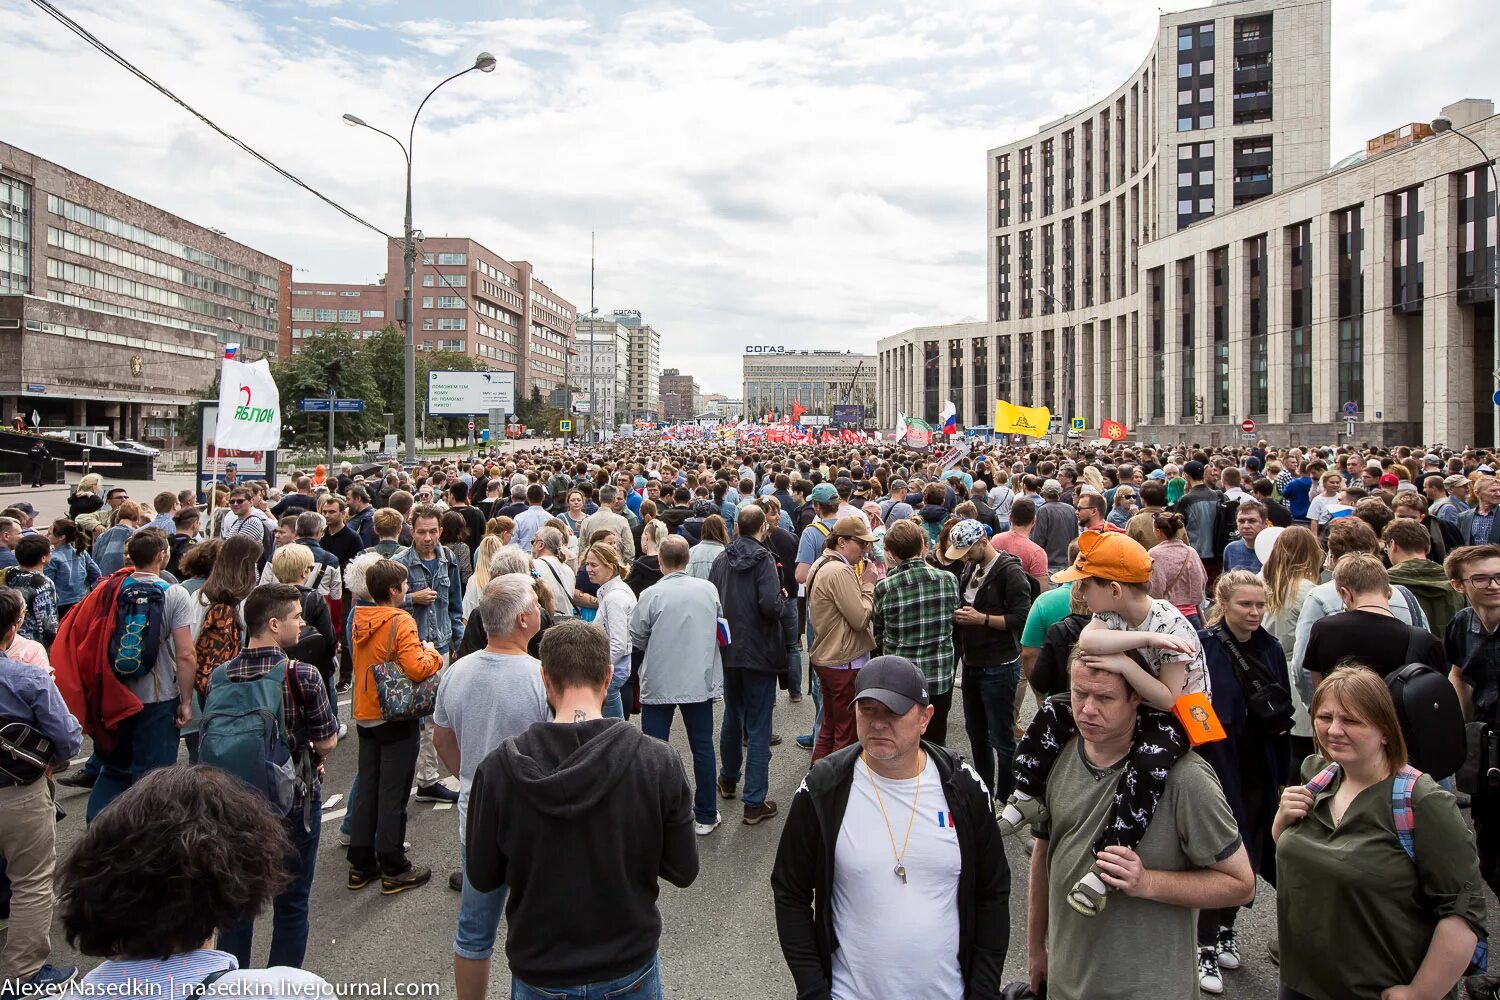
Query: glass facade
x,y
1260,359
1195,76
956,376
15,236
1185,335
1350,305
980,347
1219,263
1300,302
1406,252
1476,236
1154,280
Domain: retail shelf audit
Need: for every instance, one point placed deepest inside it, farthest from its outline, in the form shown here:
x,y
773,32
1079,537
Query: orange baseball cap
x,y
1108,555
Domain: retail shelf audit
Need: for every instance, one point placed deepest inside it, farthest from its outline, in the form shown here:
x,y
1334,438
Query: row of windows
x,y
119,340
74,212
80,275
498,353
110,254
497,274
445,258
143,315
444,280
445,323
443,302
556,307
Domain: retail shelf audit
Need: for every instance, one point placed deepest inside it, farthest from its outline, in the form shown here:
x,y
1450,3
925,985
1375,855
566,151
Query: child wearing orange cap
x,y
1162,660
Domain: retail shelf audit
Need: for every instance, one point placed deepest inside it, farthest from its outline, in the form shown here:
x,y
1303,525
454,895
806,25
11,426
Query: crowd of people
x,y
1223,650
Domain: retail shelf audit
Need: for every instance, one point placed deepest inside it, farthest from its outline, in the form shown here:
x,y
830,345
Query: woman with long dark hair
x,y
72,570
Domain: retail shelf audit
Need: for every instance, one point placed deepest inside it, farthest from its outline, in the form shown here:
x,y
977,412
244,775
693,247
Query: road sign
x,y
565,426
512,419
36,419
1349,428
348,406
315,405
1079,424
1496,397
1247,426
471,425
1351,409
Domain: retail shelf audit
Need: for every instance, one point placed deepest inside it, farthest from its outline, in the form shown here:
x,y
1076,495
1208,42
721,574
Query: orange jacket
x,y
372,645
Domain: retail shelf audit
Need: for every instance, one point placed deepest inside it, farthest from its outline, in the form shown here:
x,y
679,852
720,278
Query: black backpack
x,y
1432,720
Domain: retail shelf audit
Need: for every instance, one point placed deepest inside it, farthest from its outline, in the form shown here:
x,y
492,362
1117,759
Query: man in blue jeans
x,y
273,620
148,739
484,699
750,594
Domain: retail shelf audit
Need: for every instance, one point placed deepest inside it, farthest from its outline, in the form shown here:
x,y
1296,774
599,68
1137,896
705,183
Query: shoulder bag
x,y
401,698
1268,703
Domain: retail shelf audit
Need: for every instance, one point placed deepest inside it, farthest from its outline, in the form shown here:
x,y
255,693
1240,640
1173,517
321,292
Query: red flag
x,y
797,410
1114,430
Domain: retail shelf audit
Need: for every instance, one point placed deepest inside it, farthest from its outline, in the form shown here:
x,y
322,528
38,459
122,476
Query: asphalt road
x,y
719,935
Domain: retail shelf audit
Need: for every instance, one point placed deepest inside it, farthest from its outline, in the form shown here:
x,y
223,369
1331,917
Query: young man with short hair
x,y
1240,553
484,699
547,815
273,624
435,601
1017,541
1407,544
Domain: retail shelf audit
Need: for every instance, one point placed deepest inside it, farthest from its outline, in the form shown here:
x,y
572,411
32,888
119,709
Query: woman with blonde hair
x,y
607,571
489,546
647,568
86,498
1291,572
1379,895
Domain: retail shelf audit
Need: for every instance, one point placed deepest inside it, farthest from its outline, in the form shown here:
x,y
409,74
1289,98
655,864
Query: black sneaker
x,y
416,875
1483,987
80,778
754,814
727,788
456,881
359,879
436,792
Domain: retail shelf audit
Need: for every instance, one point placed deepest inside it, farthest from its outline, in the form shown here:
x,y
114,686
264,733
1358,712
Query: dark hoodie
x,y
580,820
750,593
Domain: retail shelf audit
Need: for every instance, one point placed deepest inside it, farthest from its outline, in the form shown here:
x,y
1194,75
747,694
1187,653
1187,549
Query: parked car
x,y
127,444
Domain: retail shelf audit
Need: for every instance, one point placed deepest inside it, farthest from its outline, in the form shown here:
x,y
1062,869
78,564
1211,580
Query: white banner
x,y
249,407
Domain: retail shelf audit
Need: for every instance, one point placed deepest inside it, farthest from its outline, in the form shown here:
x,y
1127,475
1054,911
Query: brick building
x,y
467,299
113,312
679,396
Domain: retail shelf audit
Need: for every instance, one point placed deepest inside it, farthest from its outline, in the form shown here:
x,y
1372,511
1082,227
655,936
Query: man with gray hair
x,y
484,699
676,623
609,517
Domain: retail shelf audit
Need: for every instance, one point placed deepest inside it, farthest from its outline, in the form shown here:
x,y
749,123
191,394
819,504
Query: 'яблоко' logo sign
x,y
764,349
254,414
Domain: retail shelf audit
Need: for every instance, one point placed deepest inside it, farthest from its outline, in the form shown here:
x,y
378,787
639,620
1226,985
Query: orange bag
x,y
1196,713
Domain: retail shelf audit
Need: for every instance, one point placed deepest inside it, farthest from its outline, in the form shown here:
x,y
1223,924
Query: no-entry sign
x,y
1248,426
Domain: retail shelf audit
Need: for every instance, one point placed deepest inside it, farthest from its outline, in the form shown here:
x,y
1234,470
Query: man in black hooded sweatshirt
x,y
580,817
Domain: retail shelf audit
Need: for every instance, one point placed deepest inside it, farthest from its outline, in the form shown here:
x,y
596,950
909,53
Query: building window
x,y
1476,236
326,315
1189,370
1219,262
1049,368
1260,361
1195,76
931,359
1068,263
1195,182
1049,286
1088,160
1026,184
1002,278
348,315
452,258
1028,369
374,314
302,315
1252,168
956,375
1026,274
1002,190
980,347
1154,280
15,236
1048,164
1407,256
1300,299
1350,306
1252,69
450,302
1068,168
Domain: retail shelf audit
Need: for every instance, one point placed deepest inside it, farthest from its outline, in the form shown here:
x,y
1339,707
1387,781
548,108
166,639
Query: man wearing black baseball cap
x,y
890,849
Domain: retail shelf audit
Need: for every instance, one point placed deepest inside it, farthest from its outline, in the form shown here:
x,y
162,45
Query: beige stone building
x,y
1179,257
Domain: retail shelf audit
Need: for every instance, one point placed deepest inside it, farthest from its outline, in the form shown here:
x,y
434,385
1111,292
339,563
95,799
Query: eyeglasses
x,y
1483,580
238,500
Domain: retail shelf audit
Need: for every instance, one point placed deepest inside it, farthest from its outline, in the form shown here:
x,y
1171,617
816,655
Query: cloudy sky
x,y
799,172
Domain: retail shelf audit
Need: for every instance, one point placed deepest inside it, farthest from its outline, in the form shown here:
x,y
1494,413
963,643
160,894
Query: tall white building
x,y
643,375
603,348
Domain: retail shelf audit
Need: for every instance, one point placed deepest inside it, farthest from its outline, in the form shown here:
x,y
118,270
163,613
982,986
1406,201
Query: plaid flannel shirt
x,y
913,618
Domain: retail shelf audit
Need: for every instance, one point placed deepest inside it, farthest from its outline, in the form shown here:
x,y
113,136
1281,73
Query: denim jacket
x,y
441,622
73,573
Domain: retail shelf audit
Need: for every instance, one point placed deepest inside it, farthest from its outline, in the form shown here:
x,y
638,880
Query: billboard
x,y
463,394
211,459
848,415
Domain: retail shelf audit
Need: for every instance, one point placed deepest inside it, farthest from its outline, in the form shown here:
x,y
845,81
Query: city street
x,y
719,935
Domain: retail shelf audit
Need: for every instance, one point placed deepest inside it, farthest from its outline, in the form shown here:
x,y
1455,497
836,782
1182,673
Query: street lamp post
x,y
485,63
1439,126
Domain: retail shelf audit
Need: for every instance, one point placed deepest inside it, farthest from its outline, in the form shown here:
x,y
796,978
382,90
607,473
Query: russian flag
x,y
231,352
723,632
949,418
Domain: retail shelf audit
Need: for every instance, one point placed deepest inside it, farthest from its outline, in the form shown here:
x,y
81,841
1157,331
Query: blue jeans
x,y
698,720
614,707
479,916
344,827
289,919
749,696
642,984
793,654
817,690
146,741
989,706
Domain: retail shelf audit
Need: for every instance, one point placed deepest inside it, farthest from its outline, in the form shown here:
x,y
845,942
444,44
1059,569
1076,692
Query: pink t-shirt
x,y
29,651
1033,557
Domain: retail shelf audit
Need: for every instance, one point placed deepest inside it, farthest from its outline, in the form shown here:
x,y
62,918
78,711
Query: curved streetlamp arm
x,y
399,144
411,135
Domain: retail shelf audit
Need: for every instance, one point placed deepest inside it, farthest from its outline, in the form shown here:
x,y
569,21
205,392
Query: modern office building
x,y
114,312
603,346
718,406
644,371
776,376
467,299
680,397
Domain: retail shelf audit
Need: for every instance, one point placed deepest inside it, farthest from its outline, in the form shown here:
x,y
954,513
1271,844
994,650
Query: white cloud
x,y
799,173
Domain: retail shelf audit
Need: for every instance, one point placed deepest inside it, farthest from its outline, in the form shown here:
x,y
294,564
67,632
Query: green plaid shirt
x,y
913,618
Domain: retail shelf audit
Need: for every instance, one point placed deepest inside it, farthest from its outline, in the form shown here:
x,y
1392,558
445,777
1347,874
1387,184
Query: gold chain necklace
x,y
899,855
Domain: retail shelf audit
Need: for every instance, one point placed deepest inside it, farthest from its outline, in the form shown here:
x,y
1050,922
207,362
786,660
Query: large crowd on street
x,y
1184,673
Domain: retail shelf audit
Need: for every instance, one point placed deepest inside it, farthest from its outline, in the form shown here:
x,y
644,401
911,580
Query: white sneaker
x,y
343,839
343,730
704,829
1228,951
1209,979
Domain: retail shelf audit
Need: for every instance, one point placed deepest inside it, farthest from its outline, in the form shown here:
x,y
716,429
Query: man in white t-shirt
x,y
916,892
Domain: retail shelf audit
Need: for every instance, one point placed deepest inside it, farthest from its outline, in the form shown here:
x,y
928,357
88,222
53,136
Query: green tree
x,y
335,361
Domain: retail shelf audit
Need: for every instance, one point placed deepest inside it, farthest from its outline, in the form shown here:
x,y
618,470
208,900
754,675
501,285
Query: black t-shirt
x,y
1476,653
475,522
293,503
1375,640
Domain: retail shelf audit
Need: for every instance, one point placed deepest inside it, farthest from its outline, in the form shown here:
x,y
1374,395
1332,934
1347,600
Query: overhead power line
x,y
50,10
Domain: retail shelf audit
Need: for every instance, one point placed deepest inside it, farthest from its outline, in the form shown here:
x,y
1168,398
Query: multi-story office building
x,y
721,407
603,347
644,374
466,298
775,377
114,312
680,397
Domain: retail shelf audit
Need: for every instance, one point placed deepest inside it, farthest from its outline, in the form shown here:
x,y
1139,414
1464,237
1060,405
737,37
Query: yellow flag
x,y
1031,421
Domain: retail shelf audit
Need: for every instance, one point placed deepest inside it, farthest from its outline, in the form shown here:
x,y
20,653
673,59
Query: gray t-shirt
x,y
177,612
1136,947
486,698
